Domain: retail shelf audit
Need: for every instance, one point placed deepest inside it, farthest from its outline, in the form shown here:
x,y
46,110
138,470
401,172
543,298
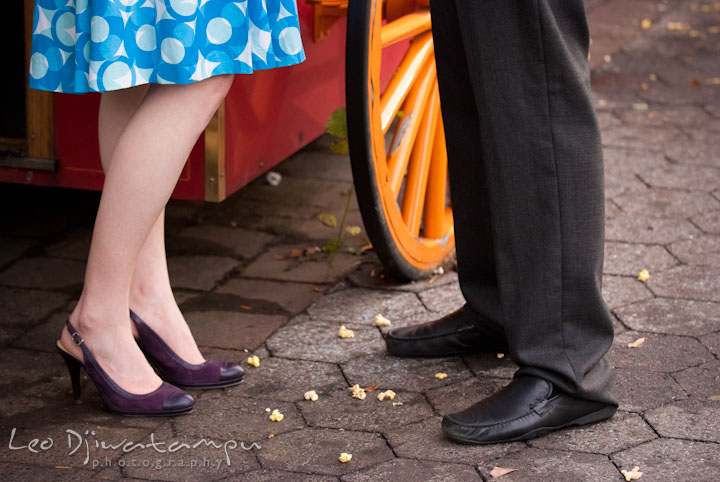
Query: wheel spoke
x,y
419,168
407,26
407,129
436,197
406,75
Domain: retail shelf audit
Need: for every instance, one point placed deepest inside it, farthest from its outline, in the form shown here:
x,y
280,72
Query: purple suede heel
x,y
172,368
166,400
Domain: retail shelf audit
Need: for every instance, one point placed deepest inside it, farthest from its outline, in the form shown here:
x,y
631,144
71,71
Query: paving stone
x,y
643,228
630,259
712,342
12,248
690,419
225,329
698,251
26,472
313,162
642,137
32,373
620,432
198,272
339,409
692,178
298,192
659,353
232,417
559,466
27,307
620,291
702,381
42,337
425,440
489,365
360,306
219,241
411,374
693,151
317,450
292,297
459,395
288,380
695,282
372,275
278,475
627,163
319,341
443,299
638,389
666,203
179,213
411,470
274,264
671,316
677,115
667,459
708,222
44,274
74,245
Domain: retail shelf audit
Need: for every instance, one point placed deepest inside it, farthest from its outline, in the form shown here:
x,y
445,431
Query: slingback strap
x,y
74,334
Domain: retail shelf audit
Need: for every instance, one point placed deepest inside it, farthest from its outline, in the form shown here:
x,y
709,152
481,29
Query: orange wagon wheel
x,y
397,140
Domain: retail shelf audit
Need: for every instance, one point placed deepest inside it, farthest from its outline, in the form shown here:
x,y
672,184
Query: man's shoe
x,y
458,333
527,408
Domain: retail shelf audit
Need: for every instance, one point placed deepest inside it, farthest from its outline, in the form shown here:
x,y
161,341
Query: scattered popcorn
x,y
678,26
358,392
397,404
646,23
441,375
267,410
633,474
643,276
353,230
345,333
254,361
380,320
276,416
386,394
636,343
345,457
501,355
312,396
272,435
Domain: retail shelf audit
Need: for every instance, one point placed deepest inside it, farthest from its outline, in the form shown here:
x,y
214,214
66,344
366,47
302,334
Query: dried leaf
x,y
327,219
713,81
695,83
636,343
337,123
633,474
371,388
640,106
245,307
500,471
714,397
340,147
293,253
678,26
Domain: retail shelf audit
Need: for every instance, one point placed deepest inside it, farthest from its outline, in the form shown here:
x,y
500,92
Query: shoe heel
x,y
73,366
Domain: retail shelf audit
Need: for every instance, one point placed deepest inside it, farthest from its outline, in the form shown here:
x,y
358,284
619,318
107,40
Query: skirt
x,y
83,46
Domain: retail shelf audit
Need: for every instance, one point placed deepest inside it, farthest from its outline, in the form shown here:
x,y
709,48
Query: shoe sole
x,y
151,414
594,417
208,387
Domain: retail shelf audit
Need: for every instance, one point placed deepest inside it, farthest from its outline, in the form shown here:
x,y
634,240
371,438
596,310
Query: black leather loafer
x,y
527,408
458,333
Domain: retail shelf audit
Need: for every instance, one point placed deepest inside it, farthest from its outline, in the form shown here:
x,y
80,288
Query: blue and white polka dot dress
x,y
99,45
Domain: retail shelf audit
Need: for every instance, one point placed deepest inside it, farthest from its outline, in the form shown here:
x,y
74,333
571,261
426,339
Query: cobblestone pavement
x,y
660,117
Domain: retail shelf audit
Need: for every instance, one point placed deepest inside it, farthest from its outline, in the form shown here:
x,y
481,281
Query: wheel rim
x,y
405,137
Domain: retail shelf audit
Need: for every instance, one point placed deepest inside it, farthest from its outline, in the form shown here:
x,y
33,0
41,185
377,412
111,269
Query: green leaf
x,y
332,245
337,124
340,147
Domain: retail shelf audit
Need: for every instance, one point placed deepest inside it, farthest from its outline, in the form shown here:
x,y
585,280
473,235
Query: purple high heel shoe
x,y
164,401
172,368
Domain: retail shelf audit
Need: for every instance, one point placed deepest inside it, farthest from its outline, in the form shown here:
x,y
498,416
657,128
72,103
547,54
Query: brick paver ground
x,y
659,105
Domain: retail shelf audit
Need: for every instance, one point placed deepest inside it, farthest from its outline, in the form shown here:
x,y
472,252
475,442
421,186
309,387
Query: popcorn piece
x,y
272,435
636,343
397,404
345,457
386,394
380,320
267,410
358,392
254,361
276,416
312,396
646,23
345,333
644,275
633,474
441,375
500,355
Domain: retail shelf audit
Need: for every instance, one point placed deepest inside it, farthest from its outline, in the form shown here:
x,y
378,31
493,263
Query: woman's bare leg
x,y
145,164
150,293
